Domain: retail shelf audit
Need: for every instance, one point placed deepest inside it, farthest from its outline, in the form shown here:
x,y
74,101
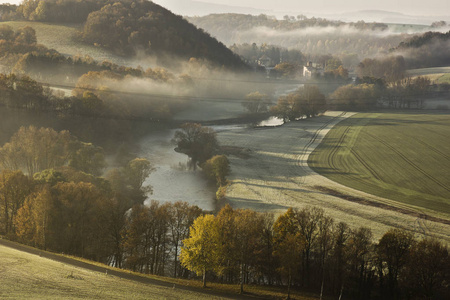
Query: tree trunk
x,y
289,284
342,290
242,279
176,257
204,277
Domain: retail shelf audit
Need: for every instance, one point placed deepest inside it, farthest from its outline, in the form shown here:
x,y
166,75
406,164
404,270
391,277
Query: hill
x,y
426,50
30,273
315,36
26,276
132,27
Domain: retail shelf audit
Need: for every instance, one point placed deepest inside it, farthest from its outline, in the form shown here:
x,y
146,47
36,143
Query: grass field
x,y
428,71
29,276
404,157
60,38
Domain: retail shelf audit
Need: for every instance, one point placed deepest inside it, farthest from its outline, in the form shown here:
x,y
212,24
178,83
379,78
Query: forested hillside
x,y
130,27
426,50
309,35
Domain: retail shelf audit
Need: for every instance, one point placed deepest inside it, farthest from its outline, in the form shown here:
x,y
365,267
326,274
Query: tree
x,y
33,218
14,188
88,158
26,35
198,142
289,243
200,251
35,150
360,97
182,216
339,257
287,69
306,101
393,253
136,172
217,168
256,103
75,219
428,270
360,249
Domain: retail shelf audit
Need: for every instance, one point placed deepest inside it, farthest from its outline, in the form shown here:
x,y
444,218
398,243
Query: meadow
x,y
26,275
399,156
61,38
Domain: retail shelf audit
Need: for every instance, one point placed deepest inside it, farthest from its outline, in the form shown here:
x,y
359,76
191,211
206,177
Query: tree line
x,y
306,249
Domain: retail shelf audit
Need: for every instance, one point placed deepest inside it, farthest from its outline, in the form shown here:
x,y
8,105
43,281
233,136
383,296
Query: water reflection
x,y
171,180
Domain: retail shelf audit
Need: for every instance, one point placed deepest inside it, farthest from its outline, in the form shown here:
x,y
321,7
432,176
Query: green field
x,y
404,157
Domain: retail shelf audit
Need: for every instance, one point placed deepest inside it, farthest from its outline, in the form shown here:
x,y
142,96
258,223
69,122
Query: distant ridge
x,y
199,8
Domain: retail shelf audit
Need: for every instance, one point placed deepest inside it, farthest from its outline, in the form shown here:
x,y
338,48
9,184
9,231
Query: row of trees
x,y
94,96
307,249
370,92
306,101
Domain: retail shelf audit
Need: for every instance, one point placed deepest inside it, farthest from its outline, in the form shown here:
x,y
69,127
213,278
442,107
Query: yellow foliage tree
x,y
200,251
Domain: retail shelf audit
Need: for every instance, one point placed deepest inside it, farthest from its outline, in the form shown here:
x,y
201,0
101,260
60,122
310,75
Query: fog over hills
x,y
201,8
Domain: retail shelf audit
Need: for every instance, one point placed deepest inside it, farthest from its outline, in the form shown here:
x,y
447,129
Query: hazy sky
x,y
416,7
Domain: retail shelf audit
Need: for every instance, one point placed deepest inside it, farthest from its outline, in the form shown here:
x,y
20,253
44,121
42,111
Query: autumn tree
x,y
289,243
391,68
306,101
136,172
198,142
217,168
287,70
146,241
33,218
14,188
360,97
200,251
181,218
35,150
76,218
88,158
256,103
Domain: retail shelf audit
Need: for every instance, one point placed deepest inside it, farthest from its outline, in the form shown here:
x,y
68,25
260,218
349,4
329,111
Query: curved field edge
x,y
404,157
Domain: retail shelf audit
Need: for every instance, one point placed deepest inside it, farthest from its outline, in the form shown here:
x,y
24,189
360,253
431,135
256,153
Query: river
x,y
171,180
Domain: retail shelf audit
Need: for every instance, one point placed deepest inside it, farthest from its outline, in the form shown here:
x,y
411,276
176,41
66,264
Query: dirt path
x,y
275,176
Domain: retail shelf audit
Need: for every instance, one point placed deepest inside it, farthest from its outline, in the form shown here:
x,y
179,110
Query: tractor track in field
x,y
425,144
336,146
305,151
365,164
412,164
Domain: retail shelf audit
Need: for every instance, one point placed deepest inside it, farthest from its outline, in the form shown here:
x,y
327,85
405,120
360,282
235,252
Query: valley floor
x,y
274,175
